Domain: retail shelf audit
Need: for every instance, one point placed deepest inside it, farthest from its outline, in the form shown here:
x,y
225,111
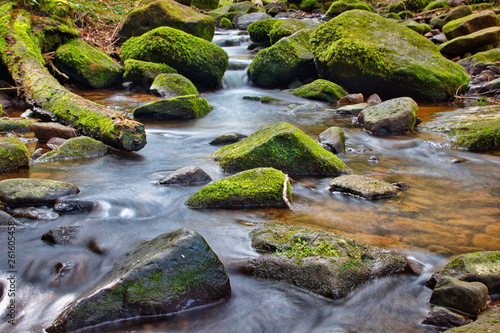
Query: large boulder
x,y
200,61
144,72
281,146
364,52
288,60
463,44
322,262
469,24
31,191
172,272
259,31
172,85
393,117
167,13
456,13
320,90
260,187
287,27
13,154
481,267
88,64
80,147
361,186
182,107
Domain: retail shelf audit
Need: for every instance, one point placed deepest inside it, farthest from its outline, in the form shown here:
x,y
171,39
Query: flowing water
x,y
451,208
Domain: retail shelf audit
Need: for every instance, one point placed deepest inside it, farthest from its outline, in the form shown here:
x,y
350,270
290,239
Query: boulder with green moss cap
x,y
320,90
478,62
206,4
469,24
322,262
311,5
182,107
362,51
420,28
79,147
225,23
260,187
15,124
201,62
167,13
172,272
393,117
458,12
259,31
32,191
364,187
436,4
172,85
87,64
288,60
13,154
144,72
338,7
468,43
283,147
287,27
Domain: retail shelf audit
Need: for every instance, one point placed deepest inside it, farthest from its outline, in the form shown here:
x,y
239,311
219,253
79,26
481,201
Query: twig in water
x,y
285,194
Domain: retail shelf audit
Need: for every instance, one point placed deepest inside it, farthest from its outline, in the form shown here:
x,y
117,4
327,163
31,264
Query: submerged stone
x,y
13,154
365,187
79,147
31,191
173,272
258,187
322,262
281,146
172,85
182,107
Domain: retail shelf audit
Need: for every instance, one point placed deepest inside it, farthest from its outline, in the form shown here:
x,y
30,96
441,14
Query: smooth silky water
x,y
451,208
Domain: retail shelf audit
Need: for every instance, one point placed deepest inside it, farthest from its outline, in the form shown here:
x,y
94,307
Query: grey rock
x,y
444,318
61,235
191,175
333,139
364,187
246,19
26,191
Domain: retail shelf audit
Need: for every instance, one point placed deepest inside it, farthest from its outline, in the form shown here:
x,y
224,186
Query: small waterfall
x,y
234,79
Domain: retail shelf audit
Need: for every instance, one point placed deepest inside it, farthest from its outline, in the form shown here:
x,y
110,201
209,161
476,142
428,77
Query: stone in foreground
x,y
182,107
364,187
190,175
172,85
31,191
252,188
173,272
13,154
322,262
281,146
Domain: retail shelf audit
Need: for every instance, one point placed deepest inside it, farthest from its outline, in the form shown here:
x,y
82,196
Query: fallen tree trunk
x,y
23,58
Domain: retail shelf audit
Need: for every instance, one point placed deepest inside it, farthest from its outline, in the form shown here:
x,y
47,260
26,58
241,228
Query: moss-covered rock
x,y
267,100
310,5
172,272
258,187
486,322
468,43
13,154
322,262
79,147
364,52
50,33
182,107
167,13
320,90
474,128
144,72
420,28
31,191
478,62
436,4
455,13
393,117
259,31
87,64
364,187
288,60
469,24
206,4
15,124
338,7
172,85
201,62
287,27
281,146
415,5
225,23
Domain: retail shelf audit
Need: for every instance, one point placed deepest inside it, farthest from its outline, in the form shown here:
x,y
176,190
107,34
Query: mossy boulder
x,y
320,90
172,272
458,12
393,117
287,27
415,5
144,72
481,267
182,107
242,22
15,124
361,186
324,263
288,60
474,128
225,23
201,62
436,4
469,24
259,31
486,322
281,146
172,85
206,4
13,154
338,7
79,147
468,43
478,62
311,5
364,52
420,28
31,191
260,187
167,13
88,64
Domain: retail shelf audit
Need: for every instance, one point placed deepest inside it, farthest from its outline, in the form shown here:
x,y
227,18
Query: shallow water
x,y
451,208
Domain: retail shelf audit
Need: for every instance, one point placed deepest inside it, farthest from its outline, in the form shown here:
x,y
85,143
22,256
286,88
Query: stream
x,y
451,208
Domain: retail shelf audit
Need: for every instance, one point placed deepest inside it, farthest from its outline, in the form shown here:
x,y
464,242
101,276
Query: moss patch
x,y
287,27
341,6
143,71
182,107
173,85
79,147
15,125
321,90
13,154
259,31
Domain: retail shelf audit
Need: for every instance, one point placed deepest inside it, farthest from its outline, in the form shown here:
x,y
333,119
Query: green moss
x,y
478,134
259,31
225,23
300,248
281,146
206,4
406,14
141,71
436,4
13,154
182,107
15,125
420,28
79,147
454,24
321,90
310,5
256,187
341,6
287,27
172,85
396,7
415,5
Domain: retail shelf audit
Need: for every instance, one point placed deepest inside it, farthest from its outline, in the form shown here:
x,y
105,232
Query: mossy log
x,y
23,58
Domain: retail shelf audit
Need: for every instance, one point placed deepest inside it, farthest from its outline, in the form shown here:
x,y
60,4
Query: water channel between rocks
x,y
451,208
